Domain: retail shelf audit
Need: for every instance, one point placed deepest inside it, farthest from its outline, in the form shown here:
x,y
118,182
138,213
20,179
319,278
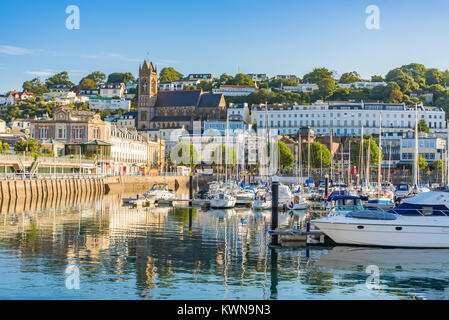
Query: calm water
x,y
125,253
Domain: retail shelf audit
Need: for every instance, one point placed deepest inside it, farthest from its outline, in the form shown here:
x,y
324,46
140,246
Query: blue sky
x,y
253,36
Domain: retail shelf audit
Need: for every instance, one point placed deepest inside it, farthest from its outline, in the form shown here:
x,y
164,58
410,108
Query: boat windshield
x,y
403,187
159,186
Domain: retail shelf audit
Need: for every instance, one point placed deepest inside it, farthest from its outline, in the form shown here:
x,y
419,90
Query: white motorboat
x,y
262,201
222,200
298,203
380,203
285,195
403,190
244,195
419,222
343,204
159,191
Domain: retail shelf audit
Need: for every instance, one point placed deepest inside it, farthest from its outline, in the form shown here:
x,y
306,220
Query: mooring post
x,y
274,208
191,189
326,189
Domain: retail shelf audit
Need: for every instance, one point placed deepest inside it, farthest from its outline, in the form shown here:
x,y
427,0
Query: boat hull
x,y
396,233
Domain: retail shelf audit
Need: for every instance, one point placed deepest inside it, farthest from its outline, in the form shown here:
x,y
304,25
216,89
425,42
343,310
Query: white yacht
x,y
419,222
222,200
160,191
262,201
285,195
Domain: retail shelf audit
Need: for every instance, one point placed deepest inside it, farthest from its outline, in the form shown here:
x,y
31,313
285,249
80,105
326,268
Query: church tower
x,y
147,94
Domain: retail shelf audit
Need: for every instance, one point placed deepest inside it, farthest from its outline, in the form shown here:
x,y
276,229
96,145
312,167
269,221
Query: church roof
x,y
172,118
210,100
178,98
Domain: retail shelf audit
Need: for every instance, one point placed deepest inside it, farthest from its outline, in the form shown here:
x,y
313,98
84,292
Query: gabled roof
x,y
210,100
178,98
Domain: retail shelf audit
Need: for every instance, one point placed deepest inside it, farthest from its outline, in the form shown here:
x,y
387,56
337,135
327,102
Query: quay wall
x,y
15,193
137,184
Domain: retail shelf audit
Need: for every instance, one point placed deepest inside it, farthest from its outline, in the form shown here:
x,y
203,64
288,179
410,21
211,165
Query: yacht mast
x,y
332,166
349,163
415,161
361,171
389,163
368,155
447,154
379,159
308,153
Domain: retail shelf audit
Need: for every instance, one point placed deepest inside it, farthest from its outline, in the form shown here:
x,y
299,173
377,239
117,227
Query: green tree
x,y
396,96
422,163
226,79
243,79
87,83
61,78
377,78
31,146
416,71
319,155
5,147
404,80
169,74
97,77
437,164
368,143
317,74
183,154
350,77
35,86
223,155
118,77
326,87
286,158
205,85
433,76
423,127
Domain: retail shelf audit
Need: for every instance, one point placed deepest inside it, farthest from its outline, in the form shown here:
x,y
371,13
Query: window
x,y
78,133
61,133
44,132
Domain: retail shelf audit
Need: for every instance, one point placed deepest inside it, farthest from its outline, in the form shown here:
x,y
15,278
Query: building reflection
x,y
170,252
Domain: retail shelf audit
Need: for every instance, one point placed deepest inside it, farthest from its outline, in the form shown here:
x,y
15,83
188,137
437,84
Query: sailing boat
x,y
381,200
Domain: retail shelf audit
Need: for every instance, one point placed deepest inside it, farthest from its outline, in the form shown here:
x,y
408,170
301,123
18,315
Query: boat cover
x,y
372,215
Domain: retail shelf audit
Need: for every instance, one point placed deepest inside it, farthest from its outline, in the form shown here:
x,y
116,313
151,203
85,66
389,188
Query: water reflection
x,y
174,253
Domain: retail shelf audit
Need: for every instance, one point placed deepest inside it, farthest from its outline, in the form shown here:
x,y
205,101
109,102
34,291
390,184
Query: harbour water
x,y
160,253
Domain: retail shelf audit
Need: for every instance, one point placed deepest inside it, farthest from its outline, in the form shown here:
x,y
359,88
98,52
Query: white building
x,y
257,77
289,77
302,87
101,103
346,118
361,84
129,150
427,96
177,85
16,97
89,92
111,90
241,110
200,76
128,120
235,90
64,97
3,99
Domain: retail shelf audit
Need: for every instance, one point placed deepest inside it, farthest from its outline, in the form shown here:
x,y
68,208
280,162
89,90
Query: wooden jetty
x,y
296,237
